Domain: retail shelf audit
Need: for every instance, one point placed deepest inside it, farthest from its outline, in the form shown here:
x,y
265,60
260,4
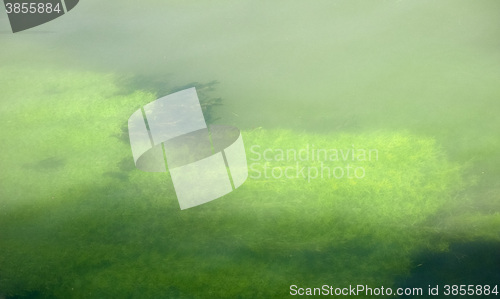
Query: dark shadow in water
x,y
117,175
474,263
89,219
52,163
207,102
123,135
159,86
125,166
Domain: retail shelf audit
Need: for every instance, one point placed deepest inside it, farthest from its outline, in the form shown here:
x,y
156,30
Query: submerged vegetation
x,y
159,86
78,220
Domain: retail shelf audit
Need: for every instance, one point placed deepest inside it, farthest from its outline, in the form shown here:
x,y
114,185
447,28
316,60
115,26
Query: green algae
x,y
77,220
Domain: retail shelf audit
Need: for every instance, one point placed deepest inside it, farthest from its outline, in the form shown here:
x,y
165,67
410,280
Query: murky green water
x,y
416,80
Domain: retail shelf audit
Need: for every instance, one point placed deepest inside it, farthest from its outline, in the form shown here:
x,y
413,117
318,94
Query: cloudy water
x,y
415,80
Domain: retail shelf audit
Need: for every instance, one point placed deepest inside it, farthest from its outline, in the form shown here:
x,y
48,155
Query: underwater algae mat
x,y
77,220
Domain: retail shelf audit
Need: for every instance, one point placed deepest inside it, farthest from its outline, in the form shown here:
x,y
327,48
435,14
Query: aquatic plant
x,y
93,226
160,85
